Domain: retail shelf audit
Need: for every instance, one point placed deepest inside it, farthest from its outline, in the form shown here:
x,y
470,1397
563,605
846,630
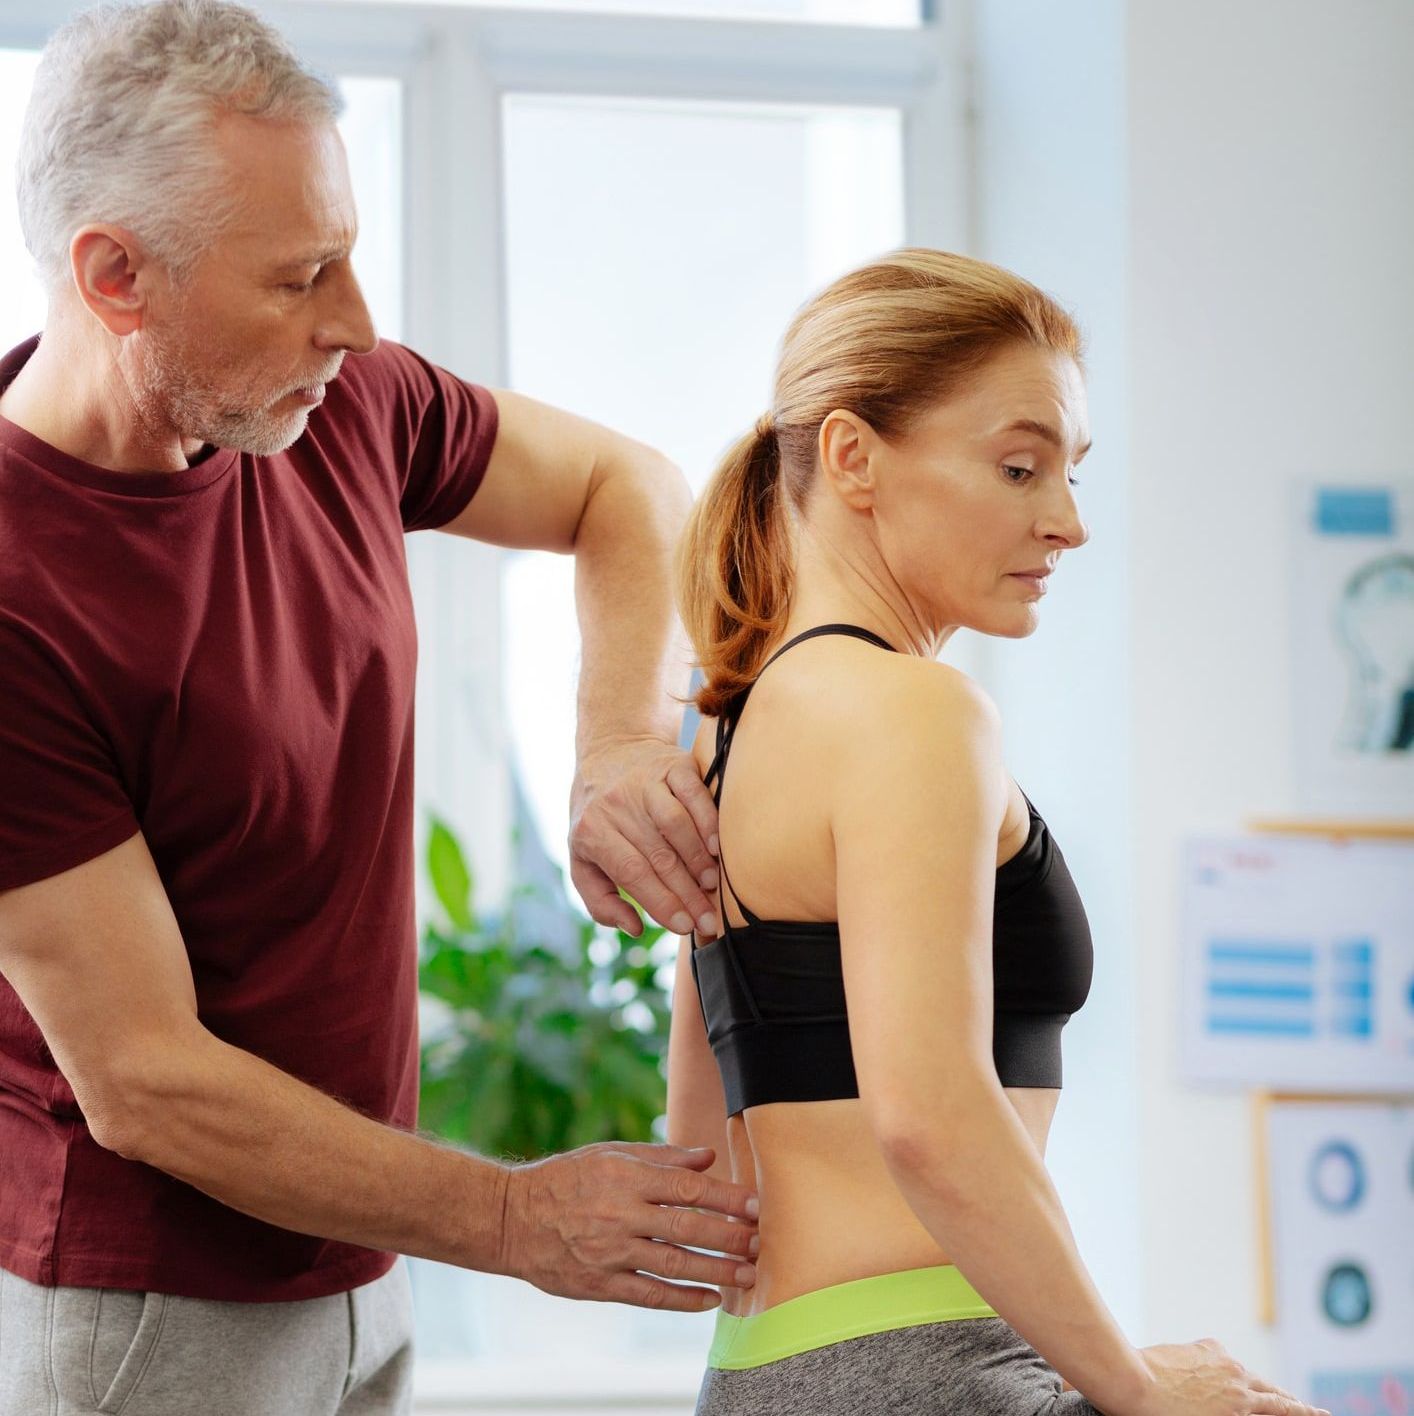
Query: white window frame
x,y
457,64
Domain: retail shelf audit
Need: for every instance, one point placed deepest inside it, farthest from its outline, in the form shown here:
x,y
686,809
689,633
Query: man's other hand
x,y
600,1222
641,819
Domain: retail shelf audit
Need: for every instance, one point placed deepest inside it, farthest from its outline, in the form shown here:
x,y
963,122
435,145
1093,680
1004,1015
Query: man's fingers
x,y
670,1178
691,791
642,1291
657,876
602,899
694,863
685,1266
674,1185
695,1157
701,1231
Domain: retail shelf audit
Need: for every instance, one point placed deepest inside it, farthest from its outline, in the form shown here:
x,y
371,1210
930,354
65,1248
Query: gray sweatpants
x,y
963,1367
79,1351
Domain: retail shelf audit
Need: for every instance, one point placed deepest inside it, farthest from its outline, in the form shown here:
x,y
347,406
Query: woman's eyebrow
x,y
1042,430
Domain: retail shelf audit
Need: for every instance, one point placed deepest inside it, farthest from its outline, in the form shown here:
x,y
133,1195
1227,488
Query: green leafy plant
x,y
537,1049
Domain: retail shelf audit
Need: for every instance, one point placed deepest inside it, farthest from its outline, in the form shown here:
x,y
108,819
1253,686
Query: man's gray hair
x,y
119,125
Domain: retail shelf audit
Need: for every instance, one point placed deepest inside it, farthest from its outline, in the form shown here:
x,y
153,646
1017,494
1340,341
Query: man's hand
x,y
641,818
598,1222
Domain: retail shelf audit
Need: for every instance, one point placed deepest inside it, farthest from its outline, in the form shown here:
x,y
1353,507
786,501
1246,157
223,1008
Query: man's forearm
x,y
265,1143
634,654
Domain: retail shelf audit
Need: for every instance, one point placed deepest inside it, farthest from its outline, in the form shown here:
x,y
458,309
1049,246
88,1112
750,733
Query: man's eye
x,y
1016,480
302,287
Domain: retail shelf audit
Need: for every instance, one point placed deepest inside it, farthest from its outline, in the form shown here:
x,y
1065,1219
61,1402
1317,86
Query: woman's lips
x,y
1036,582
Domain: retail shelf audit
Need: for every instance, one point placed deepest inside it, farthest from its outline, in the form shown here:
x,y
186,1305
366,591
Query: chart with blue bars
x,y
1271,987
1298,964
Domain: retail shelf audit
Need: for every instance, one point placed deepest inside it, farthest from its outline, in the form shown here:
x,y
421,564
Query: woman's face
x,y
981,490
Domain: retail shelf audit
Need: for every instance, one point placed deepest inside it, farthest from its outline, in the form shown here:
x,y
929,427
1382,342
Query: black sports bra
x,y
772,991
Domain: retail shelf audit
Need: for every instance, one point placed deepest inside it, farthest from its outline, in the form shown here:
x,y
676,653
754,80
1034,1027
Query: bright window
x,y
888,13
656,251
372,132
22,309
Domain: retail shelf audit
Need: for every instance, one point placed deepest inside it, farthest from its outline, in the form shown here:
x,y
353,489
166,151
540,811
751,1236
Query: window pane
x,y
22,309
892,14
372,129
656,252
372,132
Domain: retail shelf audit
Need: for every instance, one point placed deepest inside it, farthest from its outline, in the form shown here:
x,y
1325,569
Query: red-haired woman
x,y
874,1042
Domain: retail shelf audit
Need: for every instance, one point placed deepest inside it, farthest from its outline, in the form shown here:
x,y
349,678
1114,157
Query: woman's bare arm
x,y
918,808
697,1106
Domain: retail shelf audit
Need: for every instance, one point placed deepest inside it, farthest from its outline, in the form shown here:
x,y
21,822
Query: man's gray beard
x,y
171,396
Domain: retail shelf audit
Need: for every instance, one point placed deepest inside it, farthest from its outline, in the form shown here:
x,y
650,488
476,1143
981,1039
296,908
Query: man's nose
x,y
348,323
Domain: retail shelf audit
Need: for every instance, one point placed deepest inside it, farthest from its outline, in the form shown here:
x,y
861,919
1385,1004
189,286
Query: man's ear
x,y
843,449
107,264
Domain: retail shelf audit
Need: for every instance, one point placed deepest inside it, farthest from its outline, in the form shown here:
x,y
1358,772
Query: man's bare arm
x,y
640,816
96,956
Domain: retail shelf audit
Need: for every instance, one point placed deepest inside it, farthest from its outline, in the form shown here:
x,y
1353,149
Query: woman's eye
x,y
1029,472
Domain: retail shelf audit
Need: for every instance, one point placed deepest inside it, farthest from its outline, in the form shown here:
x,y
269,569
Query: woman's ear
x,y
846,449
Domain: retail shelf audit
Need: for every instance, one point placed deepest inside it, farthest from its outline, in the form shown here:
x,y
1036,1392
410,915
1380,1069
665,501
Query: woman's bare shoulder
x,y
915,697
933,735
902,694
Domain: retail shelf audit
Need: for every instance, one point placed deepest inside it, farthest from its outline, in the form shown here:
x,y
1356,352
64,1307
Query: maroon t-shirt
x,y
222,657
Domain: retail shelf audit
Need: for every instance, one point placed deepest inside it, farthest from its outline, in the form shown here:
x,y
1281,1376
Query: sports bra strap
x,y
726,730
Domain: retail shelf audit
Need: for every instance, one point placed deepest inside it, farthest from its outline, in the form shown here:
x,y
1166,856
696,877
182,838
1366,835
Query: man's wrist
x,y
508,1207
663,733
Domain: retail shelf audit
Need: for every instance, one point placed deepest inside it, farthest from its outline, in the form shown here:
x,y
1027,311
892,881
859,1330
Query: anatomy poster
x,y
1353,649
1297,964
1340,1178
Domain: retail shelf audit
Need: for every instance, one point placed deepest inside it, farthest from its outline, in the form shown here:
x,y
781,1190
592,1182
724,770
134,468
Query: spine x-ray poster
x,y
1353,649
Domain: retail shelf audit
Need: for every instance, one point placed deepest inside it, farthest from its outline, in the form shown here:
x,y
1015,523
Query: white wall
x,y
1271,340
1050,203
1222,193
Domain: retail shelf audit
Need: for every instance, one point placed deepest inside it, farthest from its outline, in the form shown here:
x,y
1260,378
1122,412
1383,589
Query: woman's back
x,y
830,1211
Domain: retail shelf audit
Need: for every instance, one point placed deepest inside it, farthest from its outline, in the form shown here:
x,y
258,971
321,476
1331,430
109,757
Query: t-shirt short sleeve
x,y
442,428
61,802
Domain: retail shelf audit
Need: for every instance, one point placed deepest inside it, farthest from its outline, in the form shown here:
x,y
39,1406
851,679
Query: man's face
x,y
239,353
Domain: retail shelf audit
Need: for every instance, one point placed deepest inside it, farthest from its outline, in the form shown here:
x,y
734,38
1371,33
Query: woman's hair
x,y
119,124
886,342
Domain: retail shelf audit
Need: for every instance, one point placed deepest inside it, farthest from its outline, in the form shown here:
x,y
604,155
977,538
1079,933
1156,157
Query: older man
x,y
208,1054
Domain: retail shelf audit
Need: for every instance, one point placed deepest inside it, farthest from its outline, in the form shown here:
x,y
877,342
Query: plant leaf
x,y
450,874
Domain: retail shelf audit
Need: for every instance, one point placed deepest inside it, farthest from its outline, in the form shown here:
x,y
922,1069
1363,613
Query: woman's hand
x,y
1204,1379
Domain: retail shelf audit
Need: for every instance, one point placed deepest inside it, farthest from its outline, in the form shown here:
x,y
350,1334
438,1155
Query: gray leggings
x,y
963,1367
78,1351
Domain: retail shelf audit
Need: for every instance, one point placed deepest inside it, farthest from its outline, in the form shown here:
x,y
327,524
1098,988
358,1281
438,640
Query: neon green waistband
x,y
844,1310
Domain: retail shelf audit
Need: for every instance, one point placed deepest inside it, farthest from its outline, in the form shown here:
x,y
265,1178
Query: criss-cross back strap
x,y
726,730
